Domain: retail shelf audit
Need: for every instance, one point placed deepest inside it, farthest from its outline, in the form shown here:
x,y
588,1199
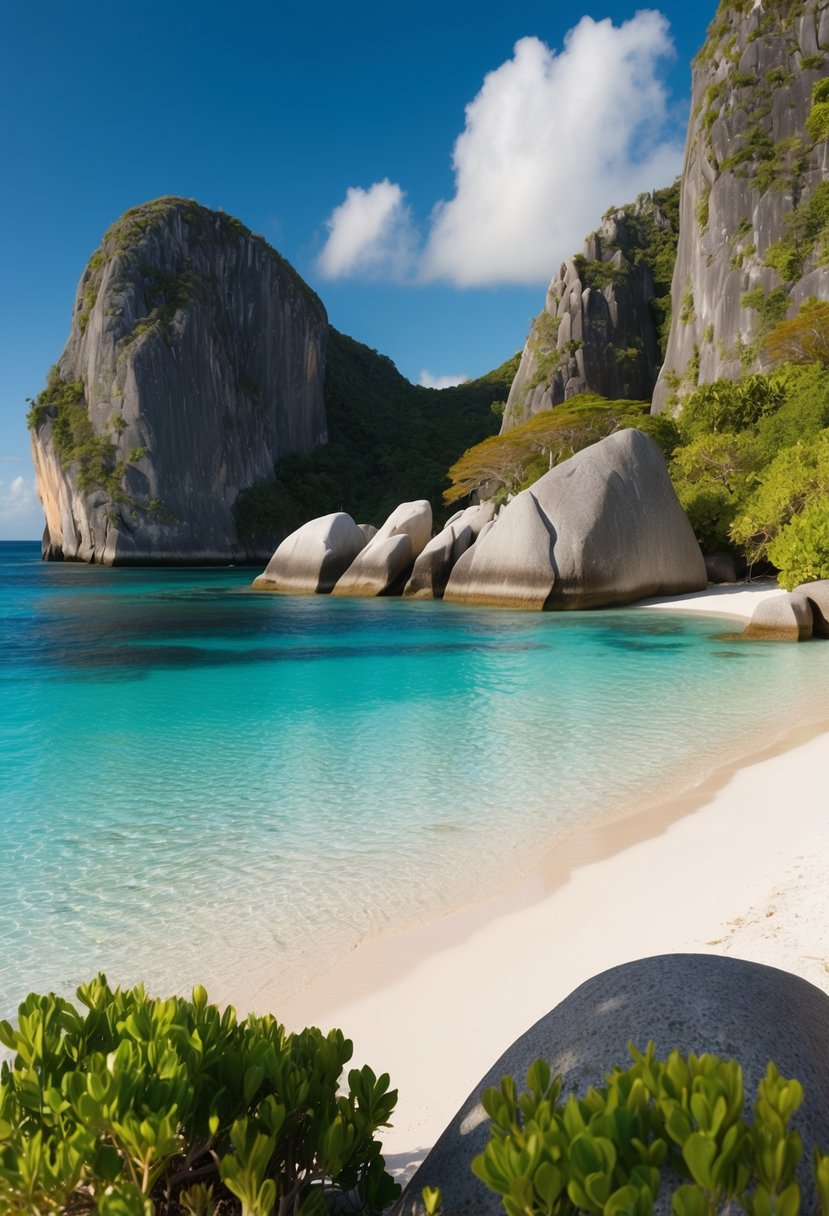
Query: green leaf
x,y
699,1152
788,1202
689,1201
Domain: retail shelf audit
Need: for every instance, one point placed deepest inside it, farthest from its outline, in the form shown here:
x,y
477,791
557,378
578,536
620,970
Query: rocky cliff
x,y
195,360
755,200
600,327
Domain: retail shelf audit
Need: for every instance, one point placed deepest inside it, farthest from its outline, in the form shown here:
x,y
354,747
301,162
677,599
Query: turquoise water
x,y
199,782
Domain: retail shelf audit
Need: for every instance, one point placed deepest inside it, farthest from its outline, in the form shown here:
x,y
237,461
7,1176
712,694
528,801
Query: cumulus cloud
x,y
550,141
20,510
370,233
427,380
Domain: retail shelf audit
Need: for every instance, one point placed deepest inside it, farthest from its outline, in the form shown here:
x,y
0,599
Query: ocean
x,y
198,781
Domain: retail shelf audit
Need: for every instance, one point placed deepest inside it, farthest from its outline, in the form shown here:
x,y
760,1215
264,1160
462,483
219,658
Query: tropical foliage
x,y
749,459
134,1106
388,441
679,1121
507,463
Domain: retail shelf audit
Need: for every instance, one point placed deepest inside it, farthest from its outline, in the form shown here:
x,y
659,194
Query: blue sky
x,y
425,167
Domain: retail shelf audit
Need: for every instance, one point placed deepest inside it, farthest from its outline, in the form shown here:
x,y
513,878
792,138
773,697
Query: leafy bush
x,y
138,1106
796,476
817,123
679,1120
801,549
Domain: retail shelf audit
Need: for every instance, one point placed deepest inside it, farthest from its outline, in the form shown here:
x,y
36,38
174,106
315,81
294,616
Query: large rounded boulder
x,y
603,528
314,557
383,566
781,618
693,1002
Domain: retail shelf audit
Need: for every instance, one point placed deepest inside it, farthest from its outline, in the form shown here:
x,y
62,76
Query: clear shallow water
x,y
198,782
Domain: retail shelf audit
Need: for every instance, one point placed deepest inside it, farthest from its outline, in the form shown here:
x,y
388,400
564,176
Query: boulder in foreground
x,y
314,557
603,528
693,1002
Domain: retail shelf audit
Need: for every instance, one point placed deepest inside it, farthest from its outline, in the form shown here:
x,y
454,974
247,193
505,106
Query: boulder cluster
x,y
604,527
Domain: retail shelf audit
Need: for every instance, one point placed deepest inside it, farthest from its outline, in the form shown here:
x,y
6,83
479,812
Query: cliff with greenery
x,y
754,205
194,362
606,315
389,441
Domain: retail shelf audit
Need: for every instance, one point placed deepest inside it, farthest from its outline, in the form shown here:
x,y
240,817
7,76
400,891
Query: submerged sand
x,y
737,866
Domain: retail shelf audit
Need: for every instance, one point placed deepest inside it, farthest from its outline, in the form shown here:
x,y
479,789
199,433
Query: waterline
x,y
199,781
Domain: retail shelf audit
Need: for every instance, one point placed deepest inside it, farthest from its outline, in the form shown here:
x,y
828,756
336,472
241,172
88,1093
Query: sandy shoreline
x,y
710,871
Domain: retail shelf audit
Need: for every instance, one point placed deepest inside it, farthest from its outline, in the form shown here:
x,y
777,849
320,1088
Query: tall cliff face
x,y
195,360
599,331
755,199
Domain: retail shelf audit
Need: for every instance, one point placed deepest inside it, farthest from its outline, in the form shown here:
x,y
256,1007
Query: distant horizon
x,y
424,173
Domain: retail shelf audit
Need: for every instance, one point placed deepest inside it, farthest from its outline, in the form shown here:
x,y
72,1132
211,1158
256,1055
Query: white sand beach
x,y
737,866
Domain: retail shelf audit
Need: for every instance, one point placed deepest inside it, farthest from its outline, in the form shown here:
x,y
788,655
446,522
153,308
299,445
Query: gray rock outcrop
x,y
386,561
750,248
195,361
434,565
314,557
692,1002
605,527
817,593
431,571
597,331
781,618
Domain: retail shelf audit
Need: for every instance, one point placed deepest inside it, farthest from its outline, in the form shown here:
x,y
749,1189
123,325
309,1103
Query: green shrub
x,y
800,551
679,1120
63,404
794,478
134,1106
817,123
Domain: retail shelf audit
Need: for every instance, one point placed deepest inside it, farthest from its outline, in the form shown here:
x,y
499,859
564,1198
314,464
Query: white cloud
x,y
21,515
549,143
427,380
368,234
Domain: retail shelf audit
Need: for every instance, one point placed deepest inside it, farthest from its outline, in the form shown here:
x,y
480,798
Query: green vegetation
x,y
679,1121
388,441
651,228
165,291
62,403
749,459
817,124
770,305
753,455
753,154
505,464
804,338
133,1106
206,228
687,312
807,235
